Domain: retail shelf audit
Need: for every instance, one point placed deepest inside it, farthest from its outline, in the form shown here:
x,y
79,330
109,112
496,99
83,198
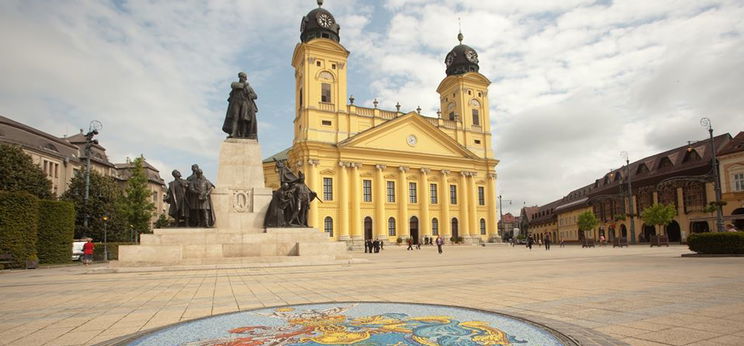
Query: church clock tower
x,y
463,97
320,67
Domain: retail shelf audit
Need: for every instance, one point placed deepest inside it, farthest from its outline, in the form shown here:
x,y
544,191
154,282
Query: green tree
x,y
138,205
103,198
587,221
19,173
162,221
659,214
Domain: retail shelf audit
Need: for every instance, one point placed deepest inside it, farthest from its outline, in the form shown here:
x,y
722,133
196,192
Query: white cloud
x,y
574,82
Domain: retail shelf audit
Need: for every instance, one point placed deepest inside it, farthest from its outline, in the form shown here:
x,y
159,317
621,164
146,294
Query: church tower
x,y
320,67
463,97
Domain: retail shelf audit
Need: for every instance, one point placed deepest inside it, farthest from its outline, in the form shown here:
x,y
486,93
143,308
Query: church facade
x,y
384,174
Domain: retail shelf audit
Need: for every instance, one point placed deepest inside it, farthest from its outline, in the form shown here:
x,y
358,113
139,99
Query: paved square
x,y
637,295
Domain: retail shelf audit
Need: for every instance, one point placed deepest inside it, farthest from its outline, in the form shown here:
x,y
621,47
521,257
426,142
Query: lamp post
x,y
105,238
95,125
705,122
631,205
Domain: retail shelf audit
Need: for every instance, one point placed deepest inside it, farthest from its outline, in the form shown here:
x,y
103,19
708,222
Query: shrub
x,y
399,240
56,231
19,219
717,242
459,240
113,251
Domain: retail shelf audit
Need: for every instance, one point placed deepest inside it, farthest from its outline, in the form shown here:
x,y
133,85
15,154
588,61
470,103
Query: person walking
x,y
530,241
410,244
418,244
88,252
547,241
440,242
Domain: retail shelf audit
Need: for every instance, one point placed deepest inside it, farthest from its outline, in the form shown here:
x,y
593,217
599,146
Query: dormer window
x,y
665,163
642,169
691,155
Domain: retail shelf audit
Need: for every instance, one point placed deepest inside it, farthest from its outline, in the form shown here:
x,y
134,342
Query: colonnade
x,y
349,225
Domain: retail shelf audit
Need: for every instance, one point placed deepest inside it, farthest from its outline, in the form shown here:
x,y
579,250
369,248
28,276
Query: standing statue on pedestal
x,y
289,204
199,199
240,121
176,198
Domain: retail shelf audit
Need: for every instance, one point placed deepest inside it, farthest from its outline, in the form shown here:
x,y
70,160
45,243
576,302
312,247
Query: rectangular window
x,y
453,194
481,195
391,227
739,182
367,190
476,118
326,122
452,116
412,197
433,193
391,192
477,141
325,92
327,189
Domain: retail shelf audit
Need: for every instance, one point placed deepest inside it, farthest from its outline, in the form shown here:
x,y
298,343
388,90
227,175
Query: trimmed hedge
x,y
113,250
19,219
56,231
717,242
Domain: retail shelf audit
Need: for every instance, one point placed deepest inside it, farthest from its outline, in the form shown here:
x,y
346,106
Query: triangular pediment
x,y
409,133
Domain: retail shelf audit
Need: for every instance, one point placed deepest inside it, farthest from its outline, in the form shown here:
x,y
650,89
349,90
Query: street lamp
x,y
105,238
95,125
705,122
630,197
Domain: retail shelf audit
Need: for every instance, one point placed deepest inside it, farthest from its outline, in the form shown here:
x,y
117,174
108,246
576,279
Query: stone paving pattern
x,y
602,296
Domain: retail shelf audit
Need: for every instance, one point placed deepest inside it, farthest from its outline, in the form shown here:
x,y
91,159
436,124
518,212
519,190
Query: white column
x,y
425,223
343,202
402,223
379,197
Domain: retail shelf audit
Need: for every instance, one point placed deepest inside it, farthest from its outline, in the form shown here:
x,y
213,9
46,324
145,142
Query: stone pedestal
x,y
240,202
240,198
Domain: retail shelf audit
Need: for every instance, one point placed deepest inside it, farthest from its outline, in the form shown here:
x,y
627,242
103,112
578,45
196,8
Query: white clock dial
x,y
472,56
411,140
450,58
325,20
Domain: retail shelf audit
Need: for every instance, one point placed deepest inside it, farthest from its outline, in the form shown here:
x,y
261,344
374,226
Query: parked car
x,y
77,249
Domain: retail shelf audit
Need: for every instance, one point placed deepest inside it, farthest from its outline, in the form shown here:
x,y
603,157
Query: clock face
x,y
325,20
411,140
472,56
450,58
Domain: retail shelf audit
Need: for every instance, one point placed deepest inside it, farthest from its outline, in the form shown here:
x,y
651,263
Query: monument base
x,y
240,202
209,245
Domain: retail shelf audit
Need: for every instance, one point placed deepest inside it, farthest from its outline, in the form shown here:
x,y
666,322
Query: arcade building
x,y
386,174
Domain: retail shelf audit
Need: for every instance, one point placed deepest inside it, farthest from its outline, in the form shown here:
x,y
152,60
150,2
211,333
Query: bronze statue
x,y
199,199
301,197
240,120
175,196
289,204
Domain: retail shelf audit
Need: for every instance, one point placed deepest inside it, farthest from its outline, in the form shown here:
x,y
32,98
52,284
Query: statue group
x,y
291,202
190,199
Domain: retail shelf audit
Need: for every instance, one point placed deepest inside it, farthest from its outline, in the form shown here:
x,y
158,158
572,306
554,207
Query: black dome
x,y
319,23
461,59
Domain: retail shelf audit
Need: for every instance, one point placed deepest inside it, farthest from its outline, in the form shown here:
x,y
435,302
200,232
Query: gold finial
x,y
320,3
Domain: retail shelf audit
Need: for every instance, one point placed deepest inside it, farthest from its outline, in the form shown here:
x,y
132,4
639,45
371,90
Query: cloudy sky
x,y
574,82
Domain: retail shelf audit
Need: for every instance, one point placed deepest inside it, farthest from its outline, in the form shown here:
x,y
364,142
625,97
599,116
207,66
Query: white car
x,y
77,250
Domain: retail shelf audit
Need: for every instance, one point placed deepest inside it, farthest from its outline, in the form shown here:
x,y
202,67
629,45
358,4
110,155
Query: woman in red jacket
x,y
88,252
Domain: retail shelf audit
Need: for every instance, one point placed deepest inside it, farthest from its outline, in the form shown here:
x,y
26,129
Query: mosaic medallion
x,y
354,324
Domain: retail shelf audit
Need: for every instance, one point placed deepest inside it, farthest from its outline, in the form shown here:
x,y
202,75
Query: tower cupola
x,y
319,23
461,59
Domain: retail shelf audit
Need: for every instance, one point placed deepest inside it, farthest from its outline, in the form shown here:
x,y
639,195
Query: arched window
x,y
328,225
483,226
391,227
434,226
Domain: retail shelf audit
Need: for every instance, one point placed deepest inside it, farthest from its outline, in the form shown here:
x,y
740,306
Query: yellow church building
x,y
386,174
